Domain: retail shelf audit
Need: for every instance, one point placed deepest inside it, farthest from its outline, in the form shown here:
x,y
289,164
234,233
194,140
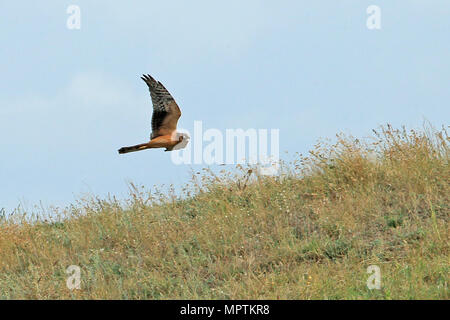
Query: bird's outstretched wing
x,y
165,110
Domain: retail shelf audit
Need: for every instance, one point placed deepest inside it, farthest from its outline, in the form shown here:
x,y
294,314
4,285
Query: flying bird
x,y
164,120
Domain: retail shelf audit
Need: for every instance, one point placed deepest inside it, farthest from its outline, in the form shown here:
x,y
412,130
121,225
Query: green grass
x,y
309,233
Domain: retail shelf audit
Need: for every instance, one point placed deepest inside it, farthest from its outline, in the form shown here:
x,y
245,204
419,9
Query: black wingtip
x,y
148,79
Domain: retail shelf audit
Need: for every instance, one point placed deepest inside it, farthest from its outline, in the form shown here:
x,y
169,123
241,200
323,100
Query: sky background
x,y
70,98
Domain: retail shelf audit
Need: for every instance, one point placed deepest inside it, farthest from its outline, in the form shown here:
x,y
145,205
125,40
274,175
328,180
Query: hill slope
x,y
309,234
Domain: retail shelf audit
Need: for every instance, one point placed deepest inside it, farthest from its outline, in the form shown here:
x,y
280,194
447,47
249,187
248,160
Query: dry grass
x,y
309,234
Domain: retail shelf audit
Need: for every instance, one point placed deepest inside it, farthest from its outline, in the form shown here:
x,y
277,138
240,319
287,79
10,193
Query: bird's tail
x,y
137,147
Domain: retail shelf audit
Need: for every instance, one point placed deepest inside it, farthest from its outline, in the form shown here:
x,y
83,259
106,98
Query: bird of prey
x,y
164,120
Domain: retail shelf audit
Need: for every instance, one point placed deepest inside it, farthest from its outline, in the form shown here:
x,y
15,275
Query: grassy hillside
x,y
309,234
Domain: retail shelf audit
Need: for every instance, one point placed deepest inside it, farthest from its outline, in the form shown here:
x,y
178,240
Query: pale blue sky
x,y
70,98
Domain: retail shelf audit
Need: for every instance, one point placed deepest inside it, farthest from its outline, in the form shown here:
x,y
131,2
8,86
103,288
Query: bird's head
x,y
183,140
